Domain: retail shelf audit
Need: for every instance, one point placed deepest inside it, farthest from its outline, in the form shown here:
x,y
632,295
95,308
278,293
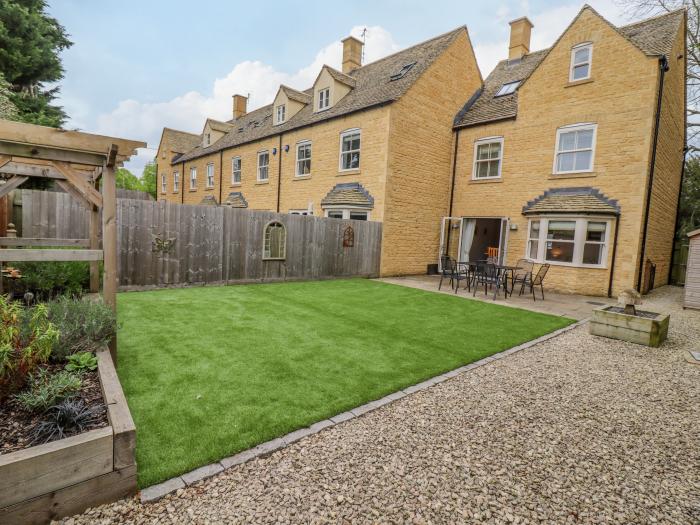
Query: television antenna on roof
x,y
364,35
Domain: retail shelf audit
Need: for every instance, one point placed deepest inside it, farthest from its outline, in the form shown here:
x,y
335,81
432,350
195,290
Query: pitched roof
x,y
236,199
340,76
584,200
373,87
181,141
653,36
209,200
217,125
293,94
348,194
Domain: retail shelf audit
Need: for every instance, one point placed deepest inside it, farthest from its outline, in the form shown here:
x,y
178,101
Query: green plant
x,y
69,417
46,389
85,325
27,338
81,362
51,279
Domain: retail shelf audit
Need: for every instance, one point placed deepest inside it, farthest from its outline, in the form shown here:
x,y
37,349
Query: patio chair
x,y
535,281
524,269
486,274
448,267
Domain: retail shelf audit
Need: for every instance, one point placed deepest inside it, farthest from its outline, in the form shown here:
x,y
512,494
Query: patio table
x,y
503,270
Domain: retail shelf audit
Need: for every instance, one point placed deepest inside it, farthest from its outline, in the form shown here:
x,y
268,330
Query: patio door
x,y
450,238
481,236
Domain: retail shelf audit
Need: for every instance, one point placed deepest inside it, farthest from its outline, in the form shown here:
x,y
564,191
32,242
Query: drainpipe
x,y
279,173
663,67
182,184
452,187
221,175
614,253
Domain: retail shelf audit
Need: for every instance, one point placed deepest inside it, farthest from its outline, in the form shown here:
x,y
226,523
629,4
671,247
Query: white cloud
x,y
145,120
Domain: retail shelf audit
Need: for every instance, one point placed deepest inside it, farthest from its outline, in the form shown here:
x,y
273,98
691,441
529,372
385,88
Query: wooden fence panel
x,y
161,243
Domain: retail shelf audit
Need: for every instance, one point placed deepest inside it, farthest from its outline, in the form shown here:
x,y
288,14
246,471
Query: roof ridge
x,y
455,30
655,17
180,131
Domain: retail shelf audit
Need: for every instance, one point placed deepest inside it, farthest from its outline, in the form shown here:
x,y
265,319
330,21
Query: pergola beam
x,y
69,188
4,159
12,184
80,184
31,151
31,170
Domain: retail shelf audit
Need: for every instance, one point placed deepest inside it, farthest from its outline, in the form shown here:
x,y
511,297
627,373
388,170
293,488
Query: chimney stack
x,y
352,54
240,106
519,38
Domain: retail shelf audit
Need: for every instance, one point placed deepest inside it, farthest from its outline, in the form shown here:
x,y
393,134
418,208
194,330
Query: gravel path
x,y
576,429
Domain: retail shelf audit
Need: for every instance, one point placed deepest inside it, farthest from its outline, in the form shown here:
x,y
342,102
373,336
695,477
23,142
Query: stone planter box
x,y
69,475
646,328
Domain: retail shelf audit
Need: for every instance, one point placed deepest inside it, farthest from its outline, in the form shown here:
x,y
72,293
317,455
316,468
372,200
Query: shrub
x,y
81,362
46,389
52,279
85,325
27,338
69,417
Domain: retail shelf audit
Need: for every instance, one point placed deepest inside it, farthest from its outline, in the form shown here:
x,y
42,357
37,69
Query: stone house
x,y
570,155
359,144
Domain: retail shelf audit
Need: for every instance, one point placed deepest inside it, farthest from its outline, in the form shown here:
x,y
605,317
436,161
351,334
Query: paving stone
x,y
295,436
342,417
317,427
155,492
201,473
269,447
238,459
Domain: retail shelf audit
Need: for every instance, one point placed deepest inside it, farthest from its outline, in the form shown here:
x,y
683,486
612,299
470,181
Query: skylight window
x,y
402,72
507,89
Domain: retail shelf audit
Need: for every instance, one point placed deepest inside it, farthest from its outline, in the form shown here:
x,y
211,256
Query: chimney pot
x,y
352,54
240,106
520,29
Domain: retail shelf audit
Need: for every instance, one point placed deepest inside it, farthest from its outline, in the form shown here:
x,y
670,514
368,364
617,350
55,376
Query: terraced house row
x,y
570,155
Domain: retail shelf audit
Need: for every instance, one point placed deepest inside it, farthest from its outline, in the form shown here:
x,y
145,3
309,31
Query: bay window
x,y
571,241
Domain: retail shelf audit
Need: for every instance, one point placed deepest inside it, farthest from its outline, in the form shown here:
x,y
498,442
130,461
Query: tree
x,y
645,8
7,109
30,45
128,181
689,211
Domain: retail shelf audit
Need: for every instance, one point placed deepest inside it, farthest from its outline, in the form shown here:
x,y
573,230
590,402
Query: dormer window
x,y
207,139
507,89
281,110
324,98
581,62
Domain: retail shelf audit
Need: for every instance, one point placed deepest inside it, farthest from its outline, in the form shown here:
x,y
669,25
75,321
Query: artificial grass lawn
x,y
211,371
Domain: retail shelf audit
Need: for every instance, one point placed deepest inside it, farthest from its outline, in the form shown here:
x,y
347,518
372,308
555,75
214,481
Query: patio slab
x,y
577,307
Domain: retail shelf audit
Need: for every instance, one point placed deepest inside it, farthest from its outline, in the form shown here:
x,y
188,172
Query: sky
x,y
136,67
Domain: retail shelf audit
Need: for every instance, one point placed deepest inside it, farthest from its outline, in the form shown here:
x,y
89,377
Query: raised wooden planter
x,y
67,476
640,329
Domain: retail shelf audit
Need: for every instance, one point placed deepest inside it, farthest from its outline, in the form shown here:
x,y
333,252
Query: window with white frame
x,y
193,178
207,139
236,170
488,154
507,89
176,181
280,113
350,150
324,98
263,166
303,158
348,213
163,183
301,212
210,175
575,148
571,241
581,62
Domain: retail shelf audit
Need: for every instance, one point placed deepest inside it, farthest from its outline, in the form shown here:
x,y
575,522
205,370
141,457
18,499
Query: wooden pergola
x,y
83,165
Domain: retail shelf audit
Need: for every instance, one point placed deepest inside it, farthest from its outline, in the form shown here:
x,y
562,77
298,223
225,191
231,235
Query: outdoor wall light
x,y
513,226
274,151
286,148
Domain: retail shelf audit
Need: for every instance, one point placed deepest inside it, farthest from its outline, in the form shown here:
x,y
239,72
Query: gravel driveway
x,y
576,429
